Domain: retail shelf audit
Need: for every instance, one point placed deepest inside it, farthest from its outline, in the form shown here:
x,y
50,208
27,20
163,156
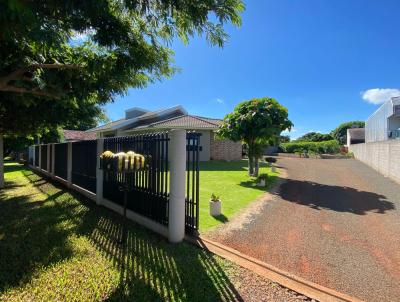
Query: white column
x,y
69,164
40,157
53,160
48,158
1,162
99,172
176,223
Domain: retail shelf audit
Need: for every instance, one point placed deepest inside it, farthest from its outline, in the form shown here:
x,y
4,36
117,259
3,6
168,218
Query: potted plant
x,y
215,205
262,181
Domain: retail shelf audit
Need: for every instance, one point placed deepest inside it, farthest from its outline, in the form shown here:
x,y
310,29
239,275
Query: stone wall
x,y
225,149
383,156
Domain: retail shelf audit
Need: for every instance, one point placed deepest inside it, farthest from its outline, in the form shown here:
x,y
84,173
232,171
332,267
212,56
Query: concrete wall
x,y
204,154
382,156
225,149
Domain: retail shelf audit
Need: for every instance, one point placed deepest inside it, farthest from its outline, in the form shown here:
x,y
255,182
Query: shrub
x,y
326,147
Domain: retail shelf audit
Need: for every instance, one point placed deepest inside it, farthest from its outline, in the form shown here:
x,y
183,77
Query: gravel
x,y
335,222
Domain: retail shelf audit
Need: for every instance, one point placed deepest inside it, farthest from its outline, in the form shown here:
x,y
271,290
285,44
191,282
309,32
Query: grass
x,y
56,246
229,181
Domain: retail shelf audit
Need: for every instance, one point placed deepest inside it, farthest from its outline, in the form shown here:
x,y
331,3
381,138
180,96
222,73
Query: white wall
x,y
204,155
382,156
377,125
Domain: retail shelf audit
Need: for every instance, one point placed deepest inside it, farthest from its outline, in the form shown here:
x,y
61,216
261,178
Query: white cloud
x,y
379,95
221,101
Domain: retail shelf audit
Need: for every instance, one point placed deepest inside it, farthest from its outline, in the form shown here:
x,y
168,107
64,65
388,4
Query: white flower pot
x,y
215,208
261,182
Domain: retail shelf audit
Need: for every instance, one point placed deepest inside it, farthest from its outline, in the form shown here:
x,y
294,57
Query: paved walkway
x,y
333,222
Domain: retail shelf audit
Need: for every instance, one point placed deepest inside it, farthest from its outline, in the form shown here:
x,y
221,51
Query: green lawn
x,y
55,246
229,181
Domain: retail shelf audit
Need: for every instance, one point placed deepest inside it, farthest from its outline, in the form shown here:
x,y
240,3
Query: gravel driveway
x,y
333,222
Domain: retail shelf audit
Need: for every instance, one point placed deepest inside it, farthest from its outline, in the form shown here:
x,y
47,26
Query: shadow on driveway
x,y
335,198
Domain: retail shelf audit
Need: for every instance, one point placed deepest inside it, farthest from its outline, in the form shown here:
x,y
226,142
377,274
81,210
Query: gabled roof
x,y
76,135
184,121
123,124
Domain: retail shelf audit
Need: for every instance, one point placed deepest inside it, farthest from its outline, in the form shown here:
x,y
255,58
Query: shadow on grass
x,y
221,165
252,183
221,218
35,233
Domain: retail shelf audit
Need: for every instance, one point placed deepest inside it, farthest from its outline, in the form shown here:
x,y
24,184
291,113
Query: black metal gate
x,y
150,194
84,160
61,160
192,182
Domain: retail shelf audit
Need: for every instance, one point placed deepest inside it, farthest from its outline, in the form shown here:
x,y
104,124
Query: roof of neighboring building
x,y
76,135
184,121
357,133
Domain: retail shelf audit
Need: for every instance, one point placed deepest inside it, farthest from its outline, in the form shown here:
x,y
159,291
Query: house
x,y
76,135
139,120
384,123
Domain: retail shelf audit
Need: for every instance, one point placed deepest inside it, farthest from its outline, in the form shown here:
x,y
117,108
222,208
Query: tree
x,y
315,137
47,77
255,122
283,139
340,133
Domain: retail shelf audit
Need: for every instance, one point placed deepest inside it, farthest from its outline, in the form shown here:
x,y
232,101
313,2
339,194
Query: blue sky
x,y
318,58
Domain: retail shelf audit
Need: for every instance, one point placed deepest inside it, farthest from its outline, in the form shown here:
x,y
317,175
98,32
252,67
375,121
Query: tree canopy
x,y
255,122
47,78
315,137
340,133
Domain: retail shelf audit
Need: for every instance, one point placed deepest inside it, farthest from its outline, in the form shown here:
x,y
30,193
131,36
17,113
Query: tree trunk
x,y
251,165
1,162
256,166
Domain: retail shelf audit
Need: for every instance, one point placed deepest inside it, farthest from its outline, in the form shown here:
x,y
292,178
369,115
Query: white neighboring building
x,y
381,149
384,123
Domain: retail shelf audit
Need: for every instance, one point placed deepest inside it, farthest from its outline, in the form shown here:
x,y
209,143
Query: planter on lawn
x,y
262,181
215,207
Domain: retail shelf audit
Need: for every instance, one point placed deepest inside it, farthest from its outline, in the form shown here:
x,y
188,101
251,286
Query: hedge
x,y
326,147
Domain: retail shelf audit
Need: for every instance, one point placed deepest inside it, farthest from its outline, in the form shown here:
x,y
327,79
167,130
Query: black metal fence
x,y
61,160
43,156
84,160
149,195
37,156
192,182
50,168
150,191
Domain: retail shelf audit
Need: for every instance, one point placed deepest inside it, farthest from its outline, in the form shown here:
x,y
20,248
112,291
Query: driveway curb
x,y
300,285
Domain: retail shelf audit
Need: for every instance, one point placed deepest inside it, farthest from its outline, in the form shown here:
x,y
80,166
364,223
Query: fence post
x,y
40,157
53,155
69,164
99,172
176,223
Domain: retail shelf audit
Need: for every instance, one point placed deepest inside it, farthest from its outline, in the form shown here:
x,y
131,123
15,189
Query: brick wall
x,y
383,156
225,149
